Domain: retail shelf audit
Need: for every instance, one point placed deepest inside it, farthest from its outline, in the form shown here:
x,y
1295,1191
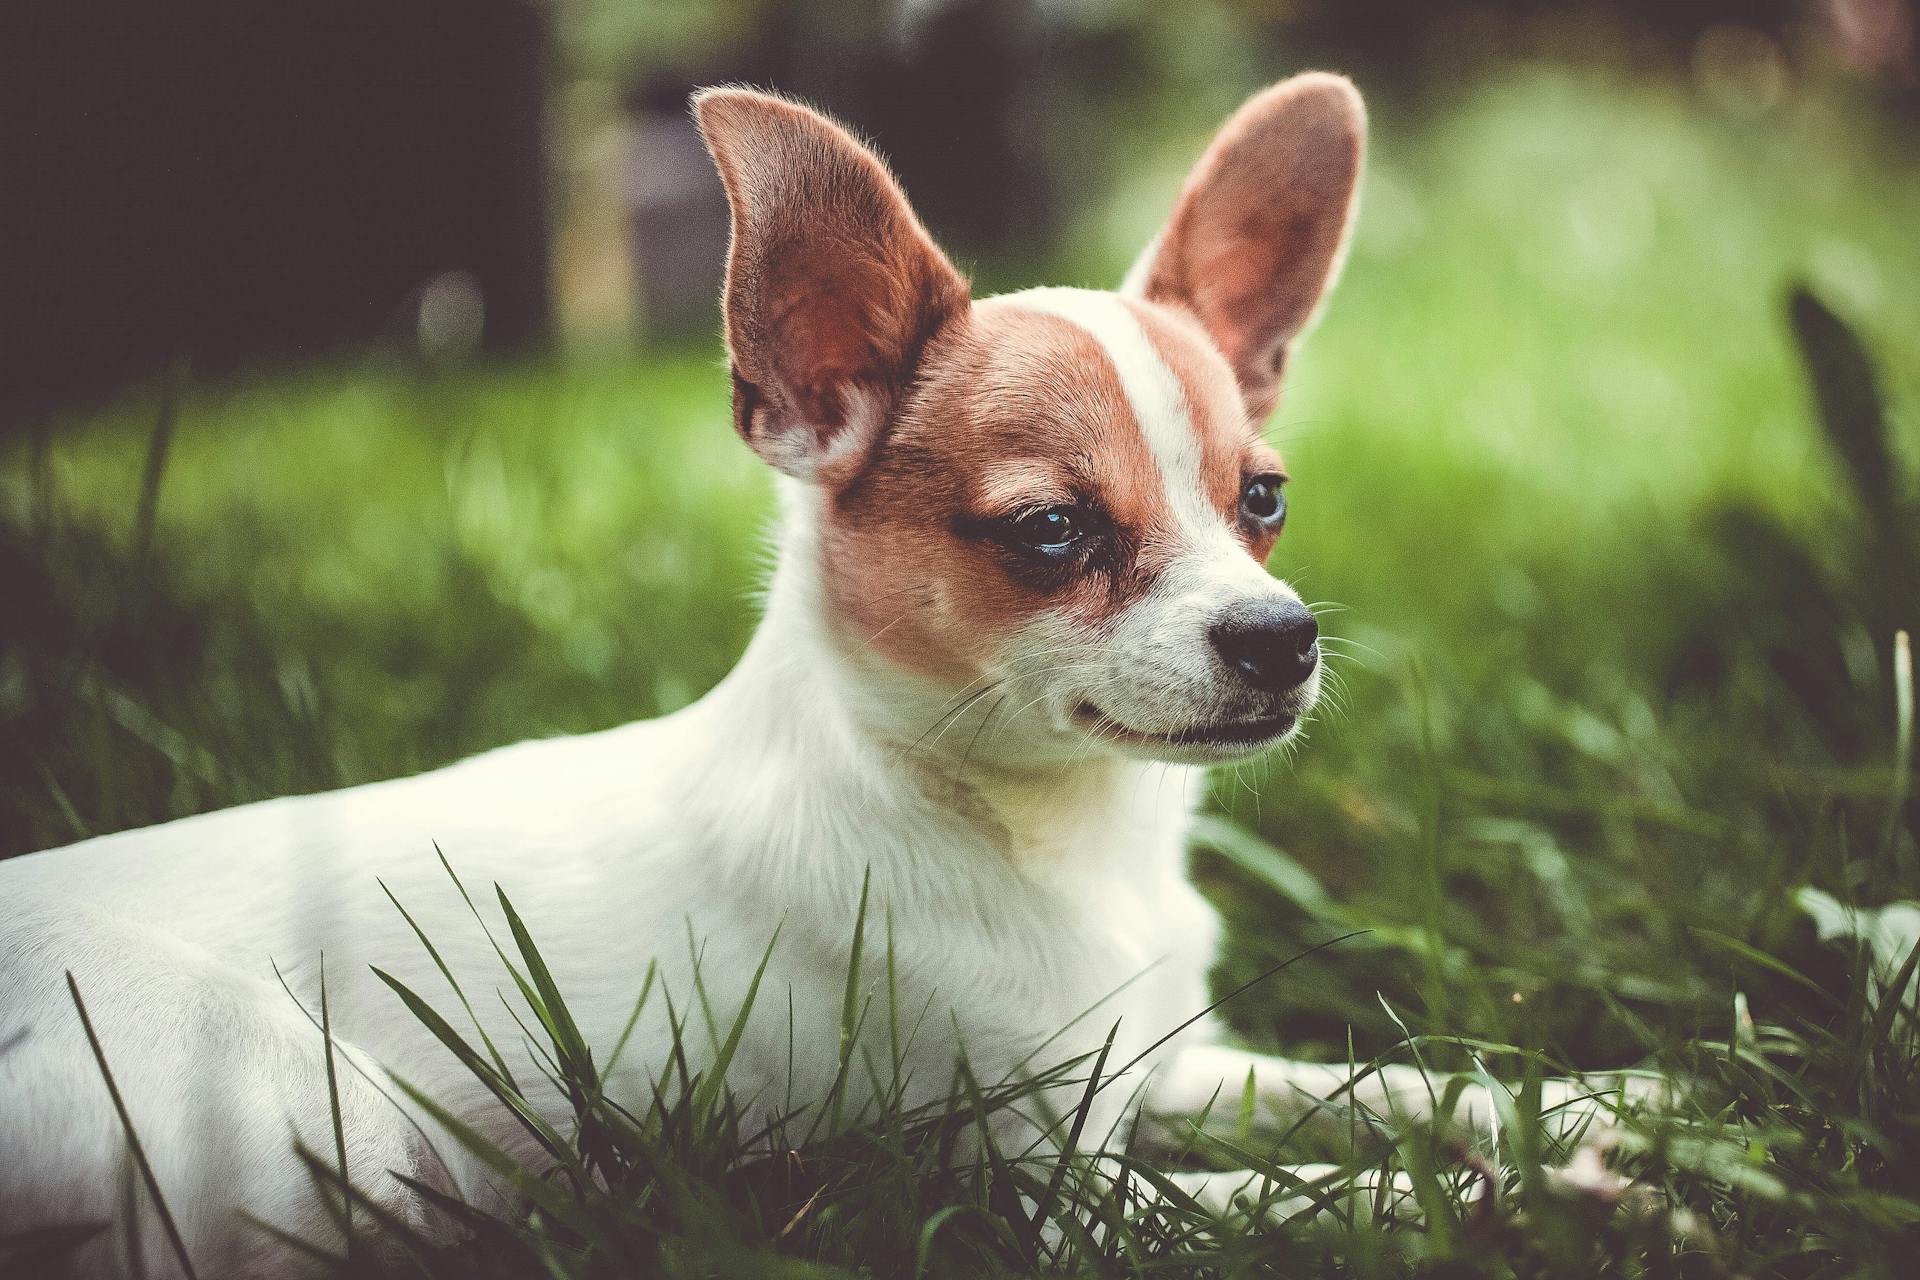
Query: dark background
x,y
225,183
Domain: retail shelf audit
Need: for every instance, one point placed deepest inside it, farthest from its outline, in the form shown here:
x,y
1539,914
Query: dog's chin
x,y
1207,742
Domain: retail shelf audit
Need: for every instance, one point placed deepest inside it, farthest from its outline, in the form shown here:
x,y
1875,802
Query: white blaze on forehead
x,y
1213,565
1153,392
1149,665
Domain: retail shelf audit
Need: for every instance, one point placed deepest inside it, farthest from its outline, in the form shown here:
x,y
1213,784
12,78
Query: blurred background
x,y
361,407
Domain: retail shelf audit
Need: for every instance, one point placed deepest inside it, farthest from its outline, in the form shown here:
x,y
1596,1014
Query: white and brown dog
x,y
1021,604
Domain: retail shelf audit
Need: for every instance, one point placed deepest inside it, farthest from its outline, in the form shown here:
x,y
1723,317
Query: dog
x,y
1021,605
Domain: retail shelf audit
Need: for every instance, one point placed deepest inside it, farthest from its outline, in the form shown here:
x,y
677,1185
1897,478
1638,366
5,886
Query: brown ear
x,y
1258,233
833,286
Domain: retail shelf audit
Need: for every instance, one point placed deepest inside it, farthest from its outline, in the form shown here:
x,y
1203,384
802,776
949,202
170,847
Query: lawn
x,y
1614,620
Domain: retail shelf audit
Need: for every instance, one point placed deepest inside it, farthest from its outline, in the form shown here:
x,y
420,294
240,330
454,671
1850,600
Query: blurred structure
x,y
1876,37
675,216
227,183
945,87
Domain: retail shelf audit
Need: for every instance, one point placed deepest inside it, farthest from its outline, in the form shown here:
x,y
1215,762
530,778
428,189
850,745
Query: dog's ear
x,y
833,286
1257,235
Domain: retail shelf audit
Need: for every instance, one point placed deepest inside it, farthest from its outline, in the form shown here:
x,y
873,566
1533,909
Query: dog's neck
x,y
807,702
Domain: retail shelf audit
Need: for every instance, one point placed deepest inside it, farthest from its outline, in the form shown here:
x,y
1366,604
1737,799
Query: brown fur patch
x,y
833,286
1256,237
1016,410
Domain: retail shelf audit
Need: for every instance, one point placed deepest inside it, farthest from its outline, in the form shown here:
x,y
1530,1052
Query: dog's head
x,y
1060,497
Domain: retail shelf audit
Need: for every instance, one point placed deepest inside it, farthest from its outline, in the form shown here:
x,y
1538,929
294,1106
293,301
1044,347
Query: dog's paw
x,y
1589,1176
1586,1110
1304,1191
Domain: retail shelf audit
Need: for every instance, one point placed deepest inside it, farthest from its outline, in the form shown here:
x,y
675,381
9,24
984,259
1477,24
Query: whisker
x,y
1351,643
985,720
868,642
959,706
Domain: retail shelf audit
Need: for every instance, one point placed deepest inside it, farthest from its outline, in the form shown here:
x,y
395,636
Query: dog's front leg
x,y
1300,1189
1324,1101
1338,1105
1331,1101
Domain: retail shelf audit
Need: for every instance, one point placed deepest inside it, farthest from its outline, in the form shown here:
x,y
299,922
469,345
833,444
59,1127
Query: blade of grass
x,y
520,981
433,952
138,1152
155,467
1893,998
1264,975
1753,955
576,1056
506,1093
332,1262
633,1018
708,1090
851,1011
1891,845
536,1189
377,1086
333,1104
1044,1211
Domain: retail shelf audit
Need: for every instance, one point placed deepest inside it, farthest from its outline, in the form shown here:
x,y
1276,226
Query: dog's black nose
x,y
1273,647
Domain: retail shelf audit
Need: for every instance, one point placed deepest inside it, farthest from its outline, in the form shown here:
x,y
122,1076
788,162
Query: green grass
x,y
1617,628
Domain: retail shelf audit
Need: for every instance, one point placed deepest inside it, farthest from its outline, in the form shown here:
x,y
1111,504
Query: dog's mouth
x,y
1256,732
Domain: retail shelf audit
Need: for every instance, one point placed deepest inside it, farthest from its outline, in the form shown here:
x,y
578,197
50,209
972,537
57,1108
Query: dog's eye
x,y
1051,531
1262,500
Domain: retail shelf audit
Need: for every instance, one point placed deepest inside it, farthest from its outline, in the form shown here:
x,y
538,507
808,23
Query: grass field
x,y
1616,622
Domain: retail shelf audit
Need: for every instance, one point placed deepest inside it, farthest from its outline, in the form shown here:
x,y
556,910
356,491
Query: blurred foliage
x,y
1821,607
375,574
616,41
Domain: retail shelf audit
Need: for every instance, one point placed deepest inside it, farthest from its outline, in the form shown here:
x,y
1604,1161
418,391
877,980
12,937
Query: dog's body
x,y
707,830
1021,605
